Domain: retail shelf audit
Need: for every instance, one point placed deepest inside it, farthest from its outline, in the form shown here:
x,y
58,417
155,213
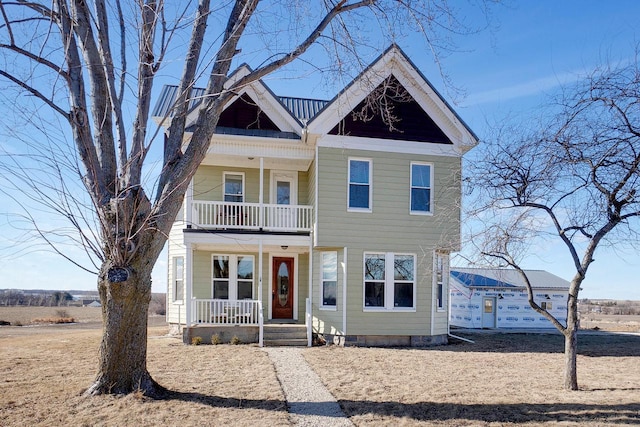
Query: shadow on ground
x,y
593,345
628,414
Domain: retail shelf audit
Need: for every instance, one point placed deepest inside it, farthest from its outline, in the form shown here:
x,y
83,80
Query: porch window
x,y
389,281
441,279
359,192
232,277
178,278
421,188
329,278
233,187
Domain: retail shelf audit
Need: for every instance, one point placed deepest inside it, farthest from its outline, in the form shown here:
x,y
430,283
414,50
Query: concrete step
x,y
285,335
293,342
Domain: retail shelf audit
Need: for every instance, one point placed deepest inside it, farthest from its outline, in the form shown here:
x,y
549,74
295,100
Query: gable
x,y
244,113
390,112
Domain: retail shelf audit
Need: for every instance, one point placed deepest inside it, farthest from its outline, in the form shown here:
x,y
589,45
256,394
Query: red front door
x,y
282,288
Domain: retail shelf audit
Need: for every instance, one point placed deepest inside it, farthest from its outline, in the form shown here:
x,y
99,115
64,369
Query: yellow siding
x,y
175,311
388,228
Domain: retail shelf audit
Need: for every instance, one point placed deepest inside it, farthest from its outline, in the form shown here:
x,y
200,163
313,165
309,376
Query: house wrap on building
x,y
498,298
338,215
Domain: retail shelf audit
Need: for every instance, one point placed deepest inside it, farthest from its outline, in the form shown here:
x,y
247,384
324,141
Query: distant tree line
x,y
610,307
42,299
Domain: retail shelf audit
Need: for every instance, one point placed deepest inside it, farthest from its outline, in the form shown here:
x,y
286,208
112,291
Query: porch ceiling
x,y
233,150
281,243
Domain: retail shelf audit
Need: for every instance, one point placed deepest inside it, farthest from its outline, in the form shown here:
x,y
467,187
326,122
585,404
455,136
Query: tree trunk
x,y
125,294
571,345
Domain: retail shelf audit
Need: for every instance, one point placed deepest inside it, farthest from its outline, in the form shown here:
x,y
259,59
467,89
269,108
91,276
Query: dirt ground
x,y
500,380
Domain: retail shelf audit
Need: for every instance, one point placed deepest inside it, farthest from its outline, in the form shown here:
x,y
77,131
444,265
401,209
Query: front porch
x,y
243,319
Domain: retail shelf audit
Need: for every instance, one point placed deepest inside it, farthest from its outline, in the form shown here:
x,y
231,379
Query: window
x,y
420,188
329,278
233,187
232,277
359,197
441,279
389,281
178,278
546,305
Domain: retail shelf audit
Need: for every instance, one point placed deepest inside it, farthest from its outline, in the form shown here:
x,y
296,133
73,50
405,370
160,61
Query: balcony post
x,y
261,196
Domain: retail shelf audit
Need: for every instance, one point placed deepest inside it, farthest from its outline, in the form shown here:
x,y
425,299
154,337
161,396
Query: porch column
x,y
260,270
189,283
188,205
261,198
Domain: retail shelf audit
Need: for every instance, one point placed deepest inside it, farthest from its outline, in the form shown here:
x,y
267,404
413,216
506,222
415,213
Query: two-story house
x,y
338,215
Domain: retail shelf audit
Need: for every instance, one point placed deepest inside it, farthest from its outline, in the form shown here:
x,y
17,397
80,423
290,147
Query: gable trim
x,y
382,145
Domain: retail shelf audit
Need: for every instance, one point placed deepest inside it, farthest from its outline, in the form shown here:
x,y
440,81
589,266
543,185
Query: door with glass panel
x,y
283,195
282,286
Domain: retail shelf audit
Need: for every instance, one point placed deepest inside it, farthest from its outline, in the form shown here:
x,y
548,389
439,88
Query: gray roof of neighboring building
x,y
506,278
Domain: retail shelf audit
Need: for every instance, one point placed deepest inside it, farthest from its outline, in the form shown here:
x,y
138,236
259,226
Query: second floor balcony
x,y
218,215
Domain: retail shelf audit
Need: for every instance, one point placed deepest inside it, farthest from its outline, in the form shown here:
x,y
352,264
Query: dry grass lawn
x,y
501,380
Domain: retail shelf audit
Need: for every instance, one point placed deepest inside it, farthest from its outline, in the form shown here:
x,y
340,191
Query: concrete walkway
x,y
308,400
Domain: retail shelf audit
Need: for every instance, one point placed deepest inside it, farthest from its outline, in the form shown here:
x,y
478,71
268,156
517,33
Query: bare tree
x,y
574,178
75,58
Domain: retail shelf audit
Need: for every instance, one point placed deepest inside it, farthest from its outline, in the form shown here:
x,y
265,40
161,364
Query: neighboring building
x,y
497,298
323,213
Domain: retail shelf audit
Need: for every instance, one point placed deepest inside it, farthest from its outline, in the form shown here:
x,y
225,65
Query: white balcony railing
x,y
251,216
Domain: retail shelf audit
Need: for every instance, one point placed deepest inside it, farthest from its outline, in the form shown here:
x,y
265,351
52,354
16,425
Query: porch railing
x,y
251,216
226,312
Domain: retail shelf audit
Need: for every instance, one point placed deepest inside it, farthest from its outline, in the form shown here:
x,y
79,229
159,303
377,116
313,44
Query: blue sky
x,y
534,48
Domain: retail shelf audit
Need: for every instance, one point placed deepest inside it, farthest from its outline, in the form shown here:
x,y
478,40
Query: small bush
x,y
215,339
4,323
17,323
54,320
235,340
62,314
196,340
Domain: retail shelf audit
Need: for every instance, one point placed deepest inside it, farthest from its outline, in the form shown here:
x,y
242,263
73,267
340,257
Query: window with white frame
x,y
421,187
389,281
359,191
233,187
232,276
441,279
178,278
329,279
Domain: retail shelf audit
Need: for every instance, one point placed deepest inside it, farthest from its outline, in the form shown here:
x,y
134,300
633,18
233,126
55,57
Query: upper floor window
x,y
421,188
178,278
329,278
233,187
359,197
389,281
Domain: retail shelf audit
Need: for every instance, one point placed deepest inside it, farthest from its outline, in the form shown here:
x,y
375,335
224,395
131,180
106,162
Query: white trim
x,y
188,261
344,292
389,283
431,192
395,63
321,305
370,184
388,146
